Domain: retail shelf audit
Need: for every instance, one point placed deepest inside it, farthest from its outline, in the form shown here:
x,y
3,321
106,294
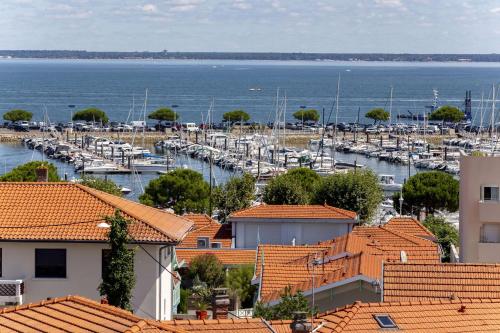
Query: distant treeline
x,y
66,54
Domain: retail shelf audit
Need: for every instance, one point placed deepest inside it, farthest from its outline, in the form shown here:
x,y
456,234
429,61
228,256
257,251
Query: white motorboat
x,y
98,166
388,183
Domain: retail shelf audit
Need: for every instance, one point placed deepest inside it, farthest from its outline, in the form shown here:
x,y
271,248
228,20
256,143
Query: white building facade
x,y
289,225
54,242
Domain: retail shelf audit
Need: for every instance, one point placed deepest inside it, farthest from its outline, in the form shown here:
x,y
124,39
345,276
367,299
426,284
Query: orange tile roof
x,y
358,253
71,212
300,278
409,226
247,325
409,282
75,314
204,226
226,256
294,212
462,316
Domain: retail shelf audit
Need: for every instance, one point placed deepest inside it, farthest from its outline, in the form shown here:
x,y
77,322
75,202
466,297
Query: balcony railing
x,y
11,292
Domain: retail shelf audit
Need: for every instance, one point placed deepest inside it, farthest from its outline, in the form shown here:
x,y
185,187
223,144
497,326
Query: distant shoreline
x,y
251,56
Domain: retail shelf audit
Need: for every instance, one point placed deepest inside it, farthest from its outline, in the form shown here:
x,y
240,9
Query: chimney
x,y
42,174
300,323
220,303
104,300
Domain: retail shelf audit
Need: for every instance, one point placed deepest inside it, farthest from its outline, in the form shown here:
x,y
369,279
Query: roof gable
x,y
204,226
71,212
294,212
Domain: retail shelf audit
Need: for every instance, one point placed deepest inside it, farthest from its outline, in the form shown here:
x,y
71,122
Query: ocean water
x,y
52,85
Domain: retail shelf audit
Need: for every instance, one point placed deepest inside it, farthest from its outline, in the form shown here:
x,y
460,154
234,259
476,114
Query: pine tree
x,y
118,279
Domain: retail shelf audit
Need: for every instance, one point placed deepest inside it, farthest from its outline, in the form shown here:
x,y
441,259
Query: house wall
x,y
83,270
474,173
329,299
247,234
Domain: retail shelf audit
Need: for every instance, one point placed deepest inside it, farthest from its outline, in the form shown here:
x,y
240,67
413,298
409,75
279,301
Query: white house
x,y
53,242
480,209
289,224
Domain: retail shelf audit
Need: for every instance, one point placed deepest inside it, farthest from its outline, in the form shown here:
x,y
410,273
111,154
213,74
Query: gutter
x,y
160,270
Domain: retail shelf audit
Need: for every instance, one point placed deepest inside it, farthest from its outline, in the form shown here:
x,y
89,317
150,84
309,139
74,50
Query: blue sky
x,y
414,26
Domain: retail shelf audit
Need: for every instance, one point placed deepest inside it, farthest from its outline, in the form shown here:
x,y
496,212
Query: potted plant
x,y
201,312
202,294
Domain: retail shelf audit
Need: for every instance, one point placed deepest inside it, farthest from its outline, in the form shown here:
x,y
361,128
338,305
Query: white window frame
x,y
218,245
207,242
490,186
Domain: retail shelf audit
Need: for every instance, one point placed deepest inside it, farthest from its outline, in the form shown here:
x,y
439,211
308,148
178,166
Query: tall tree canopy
x,y
445,233
237,193
183,190
105,185
239,282
377,114
118,279
296,187
356,191
91,114
208,268
286,308
17,115
306,115
164,114
236,115
447,113
430,191
27,172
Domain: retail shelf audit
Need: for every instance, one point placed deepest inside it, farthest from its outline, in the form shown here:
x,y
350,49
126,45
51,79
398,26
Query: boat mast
x,y
336,120
492,110
390,111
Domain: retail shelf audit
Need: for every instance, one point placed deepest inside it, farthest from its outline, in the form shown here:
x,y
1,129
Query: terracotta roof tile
x,y
75,314
247,325
423,316
409,226
403,282
71,212
226,256
358,253
204,226
294,212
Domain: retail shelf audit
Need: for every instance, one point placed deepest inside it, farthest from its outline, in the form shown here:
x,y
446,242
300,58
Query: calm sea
x,y
113,85
53,85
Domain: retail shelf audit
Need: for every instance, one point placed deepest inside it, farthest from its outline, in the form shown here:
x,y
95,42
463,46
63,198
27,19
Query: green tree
x,y
445,233
285,309
377,114
306,115
91,114
27,172
296,187
430,191
239,282
118,279
17,115
183,190
357,191
208,268
447,113
235,194
236,115
105,185
164,114
183,303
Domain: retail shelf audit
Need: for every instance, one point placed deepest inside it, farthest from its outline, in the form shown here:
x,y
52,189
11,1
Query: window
x,y
105,259
50,263
490,233
202,243
490,193
216,245
385,321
